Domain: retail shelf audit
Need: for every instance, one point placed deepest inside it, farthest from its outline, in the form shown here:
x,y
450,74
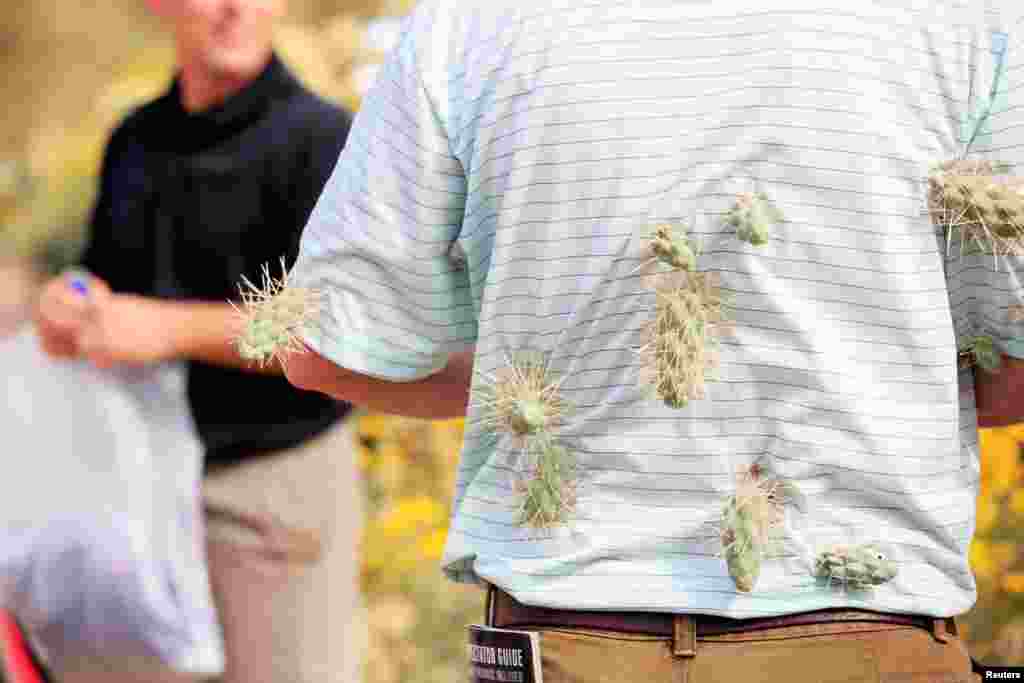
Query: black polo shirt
x,y
191,202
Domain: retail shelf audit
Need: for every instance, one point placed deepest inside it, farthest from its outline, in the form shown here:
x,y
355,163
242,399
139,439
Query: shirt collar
x,y
198,129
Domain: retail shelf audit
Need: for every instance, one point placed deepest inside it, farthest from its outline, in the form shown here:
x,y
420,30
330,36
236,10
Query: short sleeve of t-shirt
x,y
378,245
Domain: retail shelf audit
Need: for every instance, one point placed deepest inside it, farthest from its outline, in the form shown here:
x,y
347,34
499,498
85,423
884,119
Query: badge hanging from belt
x,y
497,655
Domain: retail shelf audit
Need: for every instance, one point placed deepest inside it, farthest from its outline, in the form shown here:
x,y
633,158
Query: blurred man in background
x,y
201,187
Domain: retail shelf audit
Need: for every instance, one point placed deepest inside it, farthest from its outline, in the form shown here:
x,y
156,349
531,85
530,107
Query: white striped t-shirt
x,y
497,187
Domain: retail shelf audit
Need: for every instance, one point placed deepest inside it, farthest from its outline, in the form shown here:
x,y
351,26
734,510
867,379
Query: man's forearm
x,y
207,332
1000,395
440,396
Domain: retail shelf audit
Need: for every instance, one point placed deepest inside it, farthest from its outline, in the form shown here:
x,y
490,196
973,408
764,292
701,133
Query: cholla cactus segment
x,y
523,397
671,246
549,488
274,316
751,523
742,555
681,343
854,566
752,215
982,352
971,201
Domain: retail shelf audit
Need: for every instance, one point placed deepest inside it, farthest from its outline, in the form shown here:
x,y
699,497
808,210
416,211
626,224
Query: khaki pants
x,y
853,652
282,534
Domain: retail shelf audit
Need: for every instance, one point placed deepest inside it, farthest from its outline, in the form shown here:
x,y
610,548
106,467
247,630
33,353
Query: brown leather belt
x,y
508,613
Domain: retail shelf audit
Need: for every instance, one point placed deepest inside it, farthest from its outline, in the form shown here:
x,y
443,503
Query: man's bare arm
x,y
109,329
440,396
207,332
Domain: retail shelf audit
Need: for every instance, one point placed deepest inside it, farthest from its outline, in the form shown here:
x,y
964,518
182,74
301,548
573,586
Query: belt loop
x,y
684,636
939,629
489,605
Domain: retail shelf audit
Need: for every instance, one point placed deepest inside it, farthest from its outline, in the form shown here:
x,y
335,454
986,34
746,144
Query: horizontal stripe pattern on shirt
x,y
543,141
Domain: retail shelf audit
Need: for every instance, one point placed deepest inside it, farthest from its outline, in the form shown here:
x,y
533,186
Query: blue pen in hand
x,y
79,282
80,286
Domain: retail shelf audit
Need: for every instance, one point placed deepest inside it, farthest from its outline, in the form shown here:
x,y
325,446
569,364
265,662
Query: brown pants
x,y
850,652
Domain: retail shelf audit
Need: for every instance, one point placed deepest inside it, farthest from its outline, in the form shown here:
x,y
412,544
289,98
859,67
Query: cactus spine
x,y
972,201
522,399
672,247
680,349
548,492
273,317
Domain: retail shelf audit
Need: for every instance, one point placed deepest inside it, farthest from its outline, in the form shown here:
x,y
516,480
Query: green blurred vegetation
x,y
72,70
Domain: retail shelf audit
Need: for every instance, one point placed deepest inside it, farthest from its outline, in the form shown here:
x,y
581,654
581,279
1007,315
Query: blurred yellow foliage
x,y
431,546
995,553
409,470
1014,583
987,514
412,514
981,559
1000,469
1003,555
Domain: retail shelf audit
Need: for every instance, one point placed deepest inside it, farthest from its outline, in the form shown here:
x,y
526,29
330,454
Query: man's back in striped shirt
x,y
502,185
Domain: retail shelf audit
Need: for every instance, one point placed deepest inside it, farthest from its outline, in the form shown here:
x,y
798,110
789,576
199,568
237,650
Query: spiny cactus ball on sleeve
x,y
971,201
274,316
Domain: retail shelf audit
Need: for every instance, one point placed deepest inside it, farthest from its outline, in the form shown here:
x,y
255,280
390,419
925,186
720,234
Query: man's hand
x,y
107,328
100,326
60,317
125,328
